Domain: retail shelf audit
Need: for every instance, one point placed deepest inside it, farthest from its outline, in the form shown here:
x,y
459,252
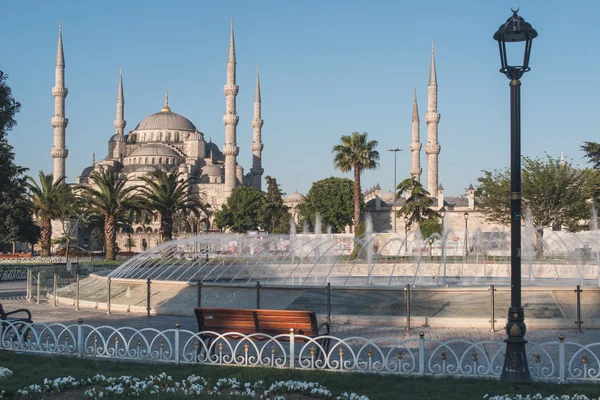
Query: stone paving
x,y
12,296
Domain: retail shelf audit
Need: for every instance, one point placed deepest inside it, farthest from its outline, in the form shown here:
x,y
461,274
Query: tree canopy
x,y
355,152
556,193
16,223
242,212
332,198
275,215
418,205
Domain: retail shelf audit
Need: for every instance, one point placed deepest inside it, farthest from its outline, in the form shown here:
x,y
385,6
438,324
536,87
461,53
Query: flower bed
x,y
100,386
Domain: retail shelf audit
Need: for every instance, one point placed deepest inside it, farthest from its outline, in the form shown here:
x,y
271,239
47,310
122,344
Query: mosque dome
x,y
154,149
87,171
166,120
212,170
294,197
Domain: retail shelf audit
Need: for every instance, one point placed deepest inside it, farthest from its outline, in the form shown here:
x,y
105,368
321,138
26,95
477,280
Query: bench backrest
x,y
247,321
226,320
277,322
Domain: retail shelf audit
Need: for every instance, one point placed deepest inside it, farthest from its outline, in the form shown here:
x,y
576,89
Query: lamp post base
x,y
515,369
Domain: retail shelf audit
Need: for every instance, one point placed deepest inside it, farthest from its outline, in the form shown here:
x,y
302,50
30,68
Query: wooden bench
x,y
268,322
20,324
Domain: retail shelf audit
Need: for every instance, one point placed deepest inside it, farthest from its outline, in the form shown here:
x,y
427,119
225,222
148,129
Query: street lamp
x,y
406,234
395,150
466,215
515,30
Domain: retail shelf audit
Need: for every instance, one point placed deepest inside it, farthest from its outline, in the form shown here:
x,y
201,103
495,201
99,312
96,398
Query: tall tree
x,y
418,206
16,223
168,193
332,199
592,152
45,199
112,200
275,215
242,212
556,193
355,152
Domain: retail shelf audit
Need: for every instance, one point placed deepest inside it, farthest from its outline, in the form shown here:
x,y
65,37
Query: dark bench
x,y
267,322
19,324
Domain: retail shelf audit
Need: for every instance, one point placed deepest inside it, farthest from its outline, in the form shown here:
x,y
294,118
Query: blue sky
x,y
327,68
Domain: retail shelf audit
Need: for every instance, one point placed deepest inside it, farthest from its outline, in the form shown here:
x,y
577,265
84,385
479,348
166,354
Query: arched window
x,y
146,162
153,160
139,230
160,160
167,161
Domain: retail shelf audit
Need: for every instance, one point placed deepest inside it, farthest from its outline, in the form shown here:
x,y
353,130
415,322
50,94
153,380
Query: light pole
x,y
466,215
515,30
395,150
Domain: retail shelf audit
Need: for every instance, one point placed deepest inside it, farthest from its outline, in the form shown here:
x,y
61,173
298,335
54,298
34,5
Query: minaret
x,y
230,119
119,151
415,144
432,118
257,145
59,152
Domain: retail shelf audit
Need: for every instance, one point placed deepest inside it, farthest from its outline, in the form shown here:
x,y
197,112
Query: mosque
x,y
168,141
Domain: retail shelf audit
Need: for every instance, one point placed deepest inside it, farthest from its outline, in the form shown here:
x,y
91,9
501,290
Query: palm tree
x,y
356,153
44,199
168,193
418,203
112,200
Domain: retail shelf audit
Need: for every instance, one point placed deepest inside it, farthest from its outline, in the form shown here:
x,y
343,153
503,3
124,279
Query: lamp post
x,y
515,30
395,150
406,234
466,215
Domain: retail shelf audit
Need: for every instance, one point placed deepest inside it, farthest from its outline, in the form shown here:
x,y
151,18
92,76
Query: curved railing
x,y
557,361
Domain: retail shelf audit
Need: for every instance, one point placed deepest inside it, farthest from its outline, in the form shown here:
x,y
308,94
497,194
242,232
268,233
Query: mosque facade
x,y
167,141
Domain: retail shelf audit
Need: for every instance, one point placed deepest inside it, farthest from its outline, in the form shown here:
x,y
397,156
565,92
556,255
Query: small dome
x,y
166,120
212,170
87,172
294,197
154,150
195,136
388,197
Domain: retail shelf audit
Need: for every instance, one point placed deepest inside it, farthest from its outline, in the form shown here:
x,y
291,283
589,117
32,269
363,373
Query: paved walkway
x,y
13,293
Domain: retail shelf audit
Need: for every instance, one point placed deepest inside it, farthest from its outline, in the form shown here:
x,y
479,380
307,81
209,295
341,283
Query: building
x,y
168,141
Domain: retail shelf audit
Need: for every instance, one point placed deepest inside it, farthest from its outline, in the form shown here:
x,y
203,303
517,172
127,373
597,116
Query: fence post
x,y
148,297
199,285
39,288
177,327
80,337
258,295
292,349
422,353
109,294
578,321
28,280
407,295
55,284
329,303
77,292
561,359
493,307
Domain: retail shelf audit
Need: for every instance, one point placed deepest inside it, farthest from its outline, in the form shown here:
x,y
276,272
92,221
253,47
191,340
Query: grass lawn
x,y
32,369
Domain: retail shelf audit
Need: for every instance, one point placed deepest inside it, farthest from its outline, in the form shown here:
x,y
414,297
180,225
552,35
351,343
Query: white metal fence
x,y
557,361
